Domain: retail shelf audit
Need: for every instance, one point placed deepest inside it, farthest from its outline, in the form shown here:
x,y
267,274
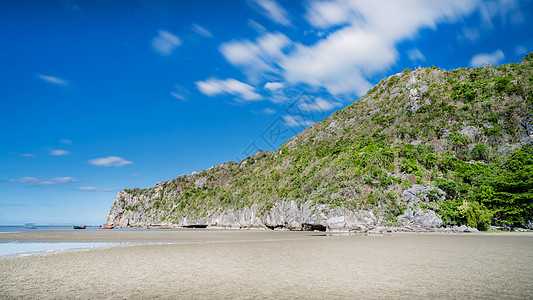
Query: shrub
x,y
475,215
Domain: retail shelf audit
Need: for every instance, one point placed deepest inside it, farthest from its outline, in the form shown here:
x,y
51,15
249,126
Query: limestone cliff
x,y
421,149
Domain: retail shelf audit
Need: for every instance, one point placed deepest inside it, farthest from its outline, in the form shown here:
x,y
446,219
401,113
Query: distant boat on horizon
x,y
29,226
79,226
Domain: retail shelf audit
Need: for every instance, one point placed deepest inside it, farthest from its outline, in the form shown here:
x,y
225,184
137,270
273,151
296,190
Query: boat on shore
x,y
106,227
79,226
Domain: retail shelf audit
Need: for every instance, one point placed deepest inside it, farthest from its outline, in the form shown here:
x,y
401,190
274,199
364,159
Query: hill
x,y
422,149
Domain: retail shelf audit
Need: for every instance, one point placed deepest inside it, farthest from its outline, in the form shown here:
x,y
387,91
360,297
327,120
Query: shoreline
x,y
250,264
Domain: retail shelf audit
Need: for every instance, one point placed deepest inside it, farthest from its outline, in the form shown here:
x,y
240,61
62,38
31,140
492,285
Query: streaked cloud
x,y
268,111
58,152
318,104
54,80
38,181
110,161
181,93
296,121
165,43
65,141
214,87
274,86
362,41
201,31
493,58
95,189
415,55
275,12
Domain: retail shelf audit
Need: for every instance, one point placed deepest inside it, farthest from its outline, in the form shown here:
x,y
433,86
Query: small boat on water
x,y
106,227
79,227
29,226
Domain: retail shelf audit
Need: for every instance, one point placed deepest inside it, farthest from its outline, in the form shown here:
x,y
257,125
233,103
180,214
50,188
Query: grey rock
x,y
200,182
412,81
336,223
469,131
462,228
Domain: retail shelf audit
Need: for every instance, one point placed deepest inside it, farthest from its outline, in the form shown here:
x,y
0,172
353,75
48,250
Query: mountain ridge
x,y
422,149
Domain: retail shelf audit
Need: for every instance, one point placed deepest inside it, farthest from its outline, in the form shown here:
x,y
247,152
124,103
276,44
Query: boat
x,y
29,226
106,227
78,227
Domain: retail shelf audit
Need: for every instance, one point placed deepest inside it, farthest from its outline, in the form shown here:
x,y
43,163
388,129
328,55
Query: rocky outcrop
x,y
126,211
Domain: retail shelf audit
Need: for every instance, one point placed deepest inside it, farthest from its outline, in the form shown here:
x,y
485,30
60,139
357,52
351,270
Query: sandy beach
x,y
251,264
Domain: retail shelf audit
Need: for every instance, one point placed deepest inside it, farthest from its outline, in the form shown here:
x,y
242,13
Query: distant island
x,y
424,149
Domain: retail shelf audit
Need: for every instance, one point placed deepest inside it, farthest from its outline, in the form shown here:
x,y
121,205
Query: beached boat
x,y
78,227
106,227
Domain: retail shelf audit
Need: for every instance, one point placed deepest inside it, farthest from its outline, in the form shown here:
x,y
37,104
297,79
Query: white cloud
x,y
37,181
256,57
268,111
27,154
165,43
296,121
58,152
95,189
53,80
201,31
415,55
275,12
469,34
178,96
487,58
214,87
65,141
274,86
318,105
110,161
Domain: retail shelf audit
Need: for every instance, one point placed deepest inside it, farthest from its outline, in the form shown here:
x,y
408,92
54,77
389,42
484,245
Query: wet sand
x,y
247,264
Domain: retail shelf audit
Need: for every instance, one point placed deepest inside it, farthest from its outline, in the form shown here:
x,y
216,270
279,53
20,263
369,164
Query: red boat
x,y
106,227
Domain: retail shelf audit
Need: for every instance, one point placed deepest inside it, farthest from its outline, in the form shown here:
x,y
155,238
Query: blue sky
x,y
98,96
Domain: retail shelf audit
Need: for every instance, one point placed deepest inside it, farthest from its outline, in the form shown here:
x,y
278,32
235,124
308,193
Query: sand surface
x,y
241,264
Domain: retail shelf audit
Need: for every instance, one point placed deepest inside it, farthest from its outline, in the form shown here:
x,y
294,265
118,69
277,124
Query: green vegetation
x,y
465,136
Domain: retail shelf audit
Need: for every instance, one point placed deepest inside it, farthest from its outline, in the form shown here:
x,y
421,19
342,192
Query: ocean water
x,y
10,249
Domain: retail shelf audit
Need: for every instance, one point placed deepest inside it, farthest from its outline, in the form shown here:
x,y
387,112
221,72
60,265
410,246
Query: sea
x,y
17,248
9,248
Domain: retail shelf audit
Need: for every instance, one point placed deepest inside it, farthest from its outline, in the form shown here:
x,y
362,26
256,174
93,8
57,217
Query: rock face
x,y
287,215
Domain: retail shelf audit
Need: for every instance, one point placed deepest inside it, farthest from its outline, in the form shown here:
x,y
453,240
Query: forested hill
x,y
423,148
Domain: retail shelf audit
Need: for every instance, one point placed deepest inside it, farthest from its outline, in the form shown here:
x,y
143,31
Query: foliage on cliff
x,y
466,131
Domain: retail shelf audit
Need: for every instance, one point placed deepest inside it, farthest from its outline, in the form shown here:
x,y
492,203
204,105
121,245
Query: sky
x,y
97,96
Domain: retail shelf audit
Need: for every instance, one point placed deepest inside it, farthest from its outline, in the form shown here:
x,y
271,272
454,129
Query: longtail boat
x,y
106,227
78,227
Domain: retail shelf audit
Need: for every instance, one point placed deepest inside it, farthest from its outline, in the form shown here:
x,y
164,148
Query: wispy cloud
x,y
487,58
65,141
268,111
274,86
110,161
201,31
95,189
318,104
415,55
165,43
360,44
296,121
275,12
58,152
214,87
181,93
54,80
38,181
